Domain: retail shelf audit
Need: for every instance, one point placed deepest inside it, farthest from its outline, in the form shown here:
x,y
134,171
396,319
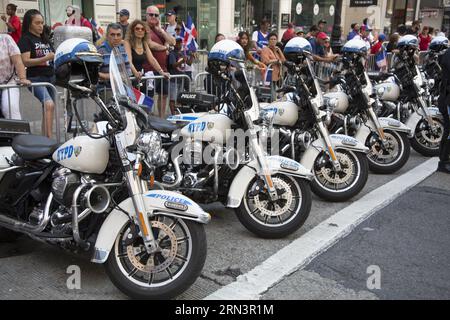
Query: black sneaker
x,y
444,167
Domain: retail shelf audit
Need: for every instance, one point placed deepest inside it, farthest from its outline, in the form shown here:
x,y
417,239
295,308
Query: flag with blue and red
x,y
143,100
189,34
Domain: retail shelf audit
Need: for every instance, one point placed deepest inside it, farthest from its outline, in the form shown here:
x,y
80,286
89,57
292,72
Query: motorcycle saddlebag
x,y
197,100
11,128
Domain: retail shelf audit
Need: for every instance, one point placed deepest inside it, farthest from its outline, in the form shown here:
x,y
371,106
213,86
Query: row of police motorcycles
x,y
128,188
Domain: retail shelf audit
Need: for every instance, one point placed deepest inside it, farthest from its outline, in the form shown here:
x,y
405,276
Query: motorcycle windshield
x,y
119,78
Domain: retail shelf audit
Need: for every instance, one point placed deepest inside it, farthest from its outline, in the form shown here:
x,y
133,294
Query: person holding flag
x,y
190,47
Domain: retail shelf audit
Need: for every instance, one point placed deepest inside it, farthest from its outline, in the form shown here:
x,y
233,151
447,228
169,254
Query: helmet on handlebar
x,y
355,46
408,42
296,48
77,58
224,54
439,44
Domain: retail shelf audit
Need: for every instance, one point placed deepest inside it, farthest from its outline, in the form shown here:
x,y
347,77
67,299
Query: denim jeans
x,y
44,94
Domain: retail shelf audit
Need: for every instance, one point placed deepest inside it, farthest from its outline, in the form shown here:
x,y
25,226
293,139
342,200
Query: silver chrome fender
x,y
339,141
386,123
158,203
276,164
417,117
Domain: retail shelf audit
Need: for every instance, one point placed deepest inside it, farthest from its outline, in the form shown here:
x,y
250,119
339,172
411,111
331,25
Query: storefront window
x,y
249,13
308,13
54,11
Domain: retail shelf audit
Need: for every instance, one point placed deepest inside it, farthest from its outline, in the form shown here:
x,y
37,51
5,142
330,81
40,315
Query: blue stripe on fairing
x,y
183,118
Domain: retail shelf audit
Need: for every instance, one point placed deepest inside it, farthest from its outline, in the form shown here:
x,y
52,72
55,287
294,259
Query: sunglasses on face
x,y
139,29
154,15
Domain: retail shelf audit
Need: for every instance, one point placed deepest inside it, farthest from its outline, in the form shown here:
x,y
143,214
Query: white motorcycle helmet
x,y
439,44
224,54
296,48
357,46
77,58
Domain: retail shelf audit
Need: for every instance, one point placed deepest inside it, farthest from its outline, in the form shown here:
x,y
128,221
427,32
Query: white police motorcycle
x,y
271,194
338,161
88,194
351,106
410,94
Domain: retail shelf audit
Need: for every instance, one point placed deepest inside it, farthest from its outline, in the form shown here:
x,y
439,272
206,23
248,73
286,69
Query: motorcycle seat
x,y
31,147
162,125
380,76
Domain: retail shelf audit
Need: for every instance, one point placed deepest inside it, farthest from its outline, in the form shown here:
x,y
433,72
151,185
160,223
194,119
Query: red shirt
x,y
376,47
160,56
15,22
424,42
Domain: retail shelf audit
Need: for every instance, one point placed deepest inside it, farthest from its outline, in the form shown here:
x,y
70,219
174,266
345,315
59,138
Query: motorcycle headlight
x,y
431,83
150,144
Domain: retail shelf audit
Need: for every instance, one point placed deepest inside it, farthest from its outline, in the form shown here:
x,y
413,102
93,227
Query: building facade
x,y
231,16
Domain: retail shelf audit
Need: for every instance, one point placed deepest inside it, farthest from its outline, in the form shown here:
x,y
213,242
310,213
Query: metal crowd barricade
x,y
148,85
28,100
372,63
200,62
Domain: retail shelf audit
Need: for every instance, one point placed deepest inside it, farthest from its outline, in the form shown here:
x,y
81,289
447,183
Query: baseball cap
x,y
124,12
322,21
322,36
299,29
171,13
365,28
179,39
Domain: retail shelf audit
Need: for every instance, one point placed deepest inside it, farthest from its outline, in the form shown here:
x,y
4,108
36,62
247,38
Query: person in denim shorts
x,y
37,56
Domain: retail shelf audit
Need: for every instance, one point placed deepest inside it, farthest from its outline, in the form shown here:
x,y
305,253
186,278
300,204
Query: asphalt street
x,y
29,270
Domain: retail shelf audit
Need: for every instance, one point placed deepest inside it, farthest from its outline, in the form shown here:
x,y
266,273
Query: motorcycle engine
x,y
64,184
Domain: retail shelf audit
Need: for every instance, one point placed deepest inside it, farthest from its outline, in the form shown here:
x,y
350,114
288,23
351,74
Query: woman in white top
x,y
12,67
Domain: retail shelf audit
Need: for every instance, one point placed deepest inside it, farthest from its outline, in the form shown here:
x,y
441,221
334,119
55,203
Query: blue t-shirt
x,y
105,49
317,49
351,35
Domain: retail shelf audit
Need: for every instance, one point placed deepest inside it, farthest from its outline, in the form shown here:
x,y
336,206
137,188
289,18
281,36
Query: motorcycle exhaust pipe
x,y
97,199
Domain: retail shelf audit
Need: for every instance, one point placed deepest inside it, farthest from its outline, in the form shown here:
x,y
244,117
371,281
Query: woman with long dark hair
x,y
246,44
37,55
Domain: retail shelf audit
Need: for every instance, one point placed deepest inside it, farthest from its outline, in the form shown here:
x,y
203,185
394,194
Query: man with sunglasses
x,y
161,38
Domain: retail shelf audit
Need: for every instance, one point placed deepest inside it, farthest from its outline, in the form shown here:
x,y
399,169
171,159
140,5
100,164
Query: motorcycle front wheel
x,y
166,273
393,156
275,219
426,142
341,186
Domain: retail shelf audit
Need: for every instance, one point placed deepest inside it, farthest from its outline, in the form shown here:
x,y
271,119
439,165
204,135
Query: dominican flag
x,y
97,27
189,34
268,77
142,99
